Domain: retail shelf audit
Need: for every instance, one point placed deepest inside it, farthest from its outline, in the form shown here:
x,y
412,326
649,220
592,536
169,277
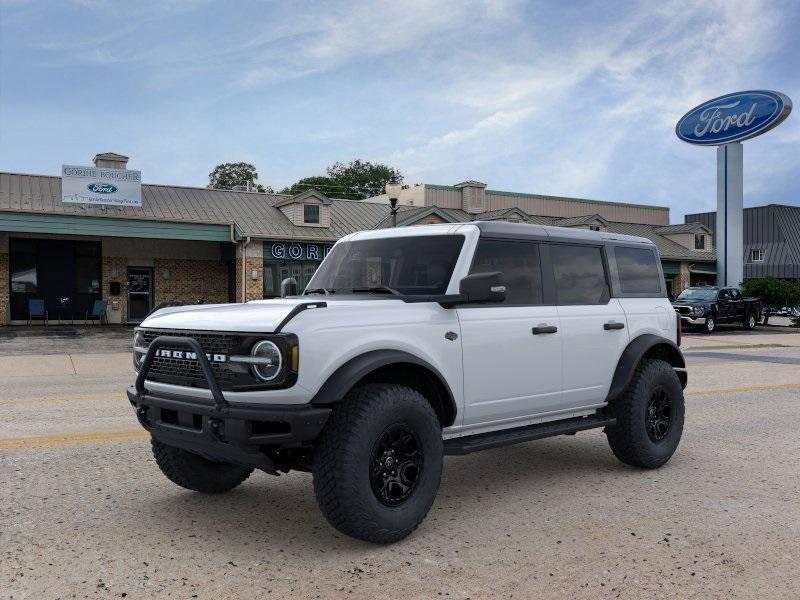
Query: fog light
x,y
267,360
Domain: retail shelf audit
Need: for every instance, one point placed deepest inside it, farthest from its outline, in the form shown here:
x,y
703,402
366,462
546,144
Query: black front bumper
x,y
242,433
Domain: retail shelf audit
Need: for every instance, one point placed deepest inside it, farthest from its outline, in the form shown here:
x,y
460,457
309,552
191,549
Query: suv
x,y
409,344
706,307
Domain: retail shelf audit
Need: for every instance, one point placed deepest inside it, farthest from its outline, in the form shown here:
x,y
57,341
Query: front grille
x,y
189,372
683,310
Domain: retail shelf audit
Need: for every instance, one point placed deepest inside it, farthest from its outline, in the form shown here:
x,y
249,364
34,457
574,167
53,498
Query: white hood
x,y
257,317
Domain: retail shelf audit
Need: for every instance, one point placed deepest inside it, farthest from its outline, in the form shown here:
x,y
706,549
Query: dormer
x,y
311,208
591,222
473,196
692,236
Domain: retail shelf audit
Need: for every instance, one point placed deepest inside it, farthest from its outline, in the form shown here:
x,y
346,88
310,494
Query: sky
x,y
565,98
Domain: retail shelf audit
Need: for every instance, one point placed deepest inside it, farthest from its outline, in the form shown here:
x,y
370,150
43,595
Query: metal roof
x,y
254,214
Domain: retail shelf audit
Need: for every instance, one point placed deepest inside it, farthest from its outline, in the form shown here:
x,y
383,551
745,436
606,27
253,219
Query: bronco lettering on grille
x,y
184,355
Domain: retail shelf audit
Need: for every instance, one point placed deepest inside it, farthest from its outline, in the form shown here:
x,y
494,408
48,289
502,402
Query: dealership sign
x,y
297,251
733,117
93,185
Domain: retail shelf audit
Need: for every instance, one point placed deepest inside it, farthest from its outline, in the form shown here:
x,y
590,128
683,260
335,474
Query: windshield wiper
x,y
377,289
319,291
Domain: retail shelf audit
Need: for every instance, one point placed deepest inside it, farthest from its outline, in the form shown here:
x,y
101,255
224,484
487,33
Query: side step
x,y
505,437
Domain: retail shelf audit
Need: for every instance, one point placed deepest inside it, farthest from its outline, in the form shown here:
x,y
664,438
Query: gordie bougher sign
x,y
733,117
93,185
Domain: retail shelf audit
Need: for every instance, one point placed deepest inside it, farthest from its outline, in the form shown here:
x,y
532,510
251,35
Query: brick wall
x,y
190,281
4,290
115,269
254,260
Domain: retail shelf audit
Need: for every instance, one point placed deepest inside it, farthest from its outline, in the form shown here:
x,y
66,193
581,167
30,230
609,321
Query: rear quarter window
x,y
637,271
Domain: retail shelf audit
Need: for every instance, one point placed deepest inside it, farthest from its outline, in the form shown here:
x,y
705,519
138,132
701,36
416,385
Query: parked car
x,y
707,307
409,344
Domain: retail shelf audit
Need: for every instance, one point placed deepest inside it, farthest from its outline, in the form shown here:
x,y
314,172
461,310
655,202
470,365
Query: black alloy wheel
x,y
659,415
710,324
395,465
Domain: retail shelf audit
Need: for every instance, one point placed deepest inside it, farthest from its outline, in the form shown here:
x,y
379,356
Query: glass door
x,y
140,293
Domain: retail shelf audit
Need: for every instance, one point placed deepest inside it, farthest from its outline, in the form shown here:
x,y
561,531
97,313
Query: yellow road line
x,y
111,396
38,441
739,390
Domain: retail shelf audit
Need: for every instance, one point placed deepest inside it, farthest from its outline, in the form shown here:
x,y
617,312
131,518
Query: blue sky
x,y
565,98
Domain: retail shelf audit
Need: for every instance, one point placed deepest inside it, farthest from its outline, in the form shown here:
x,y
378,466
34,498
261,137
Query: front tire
x,y
710,326
378,463
196,473
649,415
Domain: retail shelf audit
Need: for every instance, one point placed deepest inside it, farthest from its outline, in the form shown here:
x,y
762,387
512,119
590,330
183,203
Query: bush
x,y
774,292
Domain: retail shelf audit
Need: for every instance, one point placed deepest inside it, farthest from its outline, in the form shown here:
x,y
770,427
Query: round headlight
x,y
267,360
139,349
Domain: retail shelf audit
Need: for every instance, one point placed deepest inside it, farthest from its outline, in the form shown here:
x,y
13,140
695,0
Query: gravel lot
x,y
84,512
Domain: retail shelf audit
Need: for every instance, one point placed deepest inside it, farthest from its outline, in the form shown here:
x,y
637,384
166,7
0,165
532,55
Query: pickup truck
x,y
707,307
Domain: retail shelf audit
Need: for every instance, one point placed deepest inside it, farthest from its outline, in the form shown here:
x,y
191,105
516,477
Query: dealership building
x,y
178,244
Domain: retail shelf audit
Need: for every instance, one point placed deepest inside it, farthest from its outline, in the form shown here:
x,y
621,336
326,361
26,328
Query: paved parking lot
x,y
84,512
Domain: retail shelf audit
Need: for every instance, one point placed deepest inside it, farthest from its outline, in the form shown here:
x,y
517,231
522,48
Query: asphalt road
x,y
84,512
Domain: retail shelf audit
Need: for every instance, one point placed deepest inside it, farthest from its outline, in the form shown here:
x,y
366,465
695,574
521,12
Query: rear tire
x,y
196,473
378,463
750,321
650,414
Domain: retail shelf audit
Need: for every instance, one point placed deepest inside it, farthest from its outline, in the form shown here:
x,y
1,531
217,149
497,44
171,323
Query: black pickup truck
x,y
708,306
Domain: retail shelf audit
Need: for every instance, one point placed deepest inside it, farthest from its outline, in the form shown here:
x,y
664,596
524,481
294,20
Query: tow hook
x,y
141,414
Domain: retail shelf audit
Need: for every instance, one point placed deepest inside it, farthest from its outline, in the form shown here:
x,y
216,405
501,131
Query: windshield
x,y
698,294
412,265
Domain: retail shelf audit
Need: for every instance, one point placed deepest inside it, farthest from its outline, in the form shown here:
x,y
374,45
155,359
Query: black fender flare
x,y
632,355
354,370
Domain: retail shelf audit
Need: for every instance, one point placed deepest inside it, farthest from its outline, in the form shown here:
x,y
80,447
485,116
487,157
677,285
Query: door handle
x,y
543,328
612,325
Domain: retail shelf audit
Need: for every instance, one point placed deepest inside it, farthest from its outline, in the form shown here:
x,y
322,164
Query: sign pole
x,y
730,204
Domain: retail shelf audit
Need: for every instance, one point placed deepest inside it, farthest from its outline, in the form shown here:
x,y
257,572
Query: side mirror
x,y
288,287
482,287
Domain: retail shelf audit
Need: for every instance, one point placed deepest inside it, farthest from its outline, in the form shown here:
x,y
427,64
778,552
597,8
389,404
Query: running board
x,y
505,437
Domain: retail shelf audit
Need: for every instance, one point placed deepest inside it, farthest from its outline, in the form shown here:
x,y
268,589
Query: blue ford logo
x,y
101,188
733,117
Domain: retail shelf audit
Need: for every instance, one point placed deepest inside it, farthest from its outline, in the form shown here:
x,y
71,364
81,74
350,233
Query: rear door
x,y
511,351
593,325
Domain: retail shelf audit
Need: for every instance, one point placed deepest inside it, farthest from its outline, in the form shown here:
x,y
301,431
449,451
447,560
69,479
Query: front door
x,y
511,351
140,293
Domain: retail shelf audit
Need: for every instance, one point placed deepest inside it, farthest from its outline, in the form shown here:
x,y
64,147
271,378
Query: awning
x,y
703,268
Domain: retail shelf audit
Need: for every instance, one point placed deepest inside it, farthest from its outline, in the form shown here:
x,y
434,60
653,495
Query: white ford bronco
x,y
409,344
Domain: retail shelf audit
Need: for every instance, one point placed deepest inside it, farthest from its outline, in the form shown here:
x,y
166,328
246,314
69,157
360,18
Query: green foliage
x,y
228,175
795,321
774,292
356,180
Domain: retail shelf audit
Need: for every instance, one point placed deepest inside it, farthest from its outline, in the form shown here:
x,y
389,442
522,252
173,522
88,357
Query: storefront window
x,y
87,268
24,275
291,259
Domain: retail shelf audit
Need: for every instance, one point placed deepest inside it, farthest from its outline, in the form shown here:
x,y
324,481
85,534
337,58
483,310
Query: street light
x,y
393,188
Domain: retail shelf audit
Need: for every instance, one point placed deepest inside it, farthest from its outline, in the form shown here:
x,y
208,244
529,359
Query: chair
x,y
37,310
98,311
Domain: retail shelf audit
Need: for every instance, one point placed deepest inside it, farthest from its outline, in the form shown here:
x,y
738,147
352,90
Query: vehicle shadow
x,y
282,511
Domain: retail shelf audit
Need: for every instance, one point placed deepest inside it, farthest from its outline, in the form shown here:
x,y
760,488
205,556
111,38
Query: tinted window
x,y
579,275
638,271
519,264
417,264
735,295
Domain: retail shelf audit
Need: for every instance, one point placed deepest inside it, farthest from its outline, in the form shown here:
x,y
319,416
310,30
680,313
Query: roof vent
x,y
110,160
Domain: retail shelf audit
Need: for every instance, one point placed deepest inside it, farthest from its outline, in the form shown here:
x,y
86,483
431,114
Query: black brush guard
x,y
218,430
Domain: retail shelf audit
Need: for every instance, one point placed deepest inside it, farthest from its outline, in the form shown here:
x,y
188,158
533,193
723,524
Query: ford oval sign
x,y
101,188
733,117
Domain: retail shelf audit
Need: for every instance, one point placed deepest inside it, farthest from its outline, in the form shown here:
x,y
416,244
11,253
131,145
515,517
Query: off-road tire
x,y
710,326
629,438
750,321
344,457
196,473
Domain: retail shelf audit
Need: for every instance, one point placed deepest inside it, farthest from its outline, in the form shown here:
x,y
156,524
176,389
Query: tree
x,y
774,292
228,175
355,180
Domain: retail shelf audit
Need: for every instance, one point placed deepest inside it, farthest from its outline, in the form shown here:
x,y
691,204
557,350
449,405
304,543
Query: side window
x,y
579,273
519,263
735,295
638,271
724,295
